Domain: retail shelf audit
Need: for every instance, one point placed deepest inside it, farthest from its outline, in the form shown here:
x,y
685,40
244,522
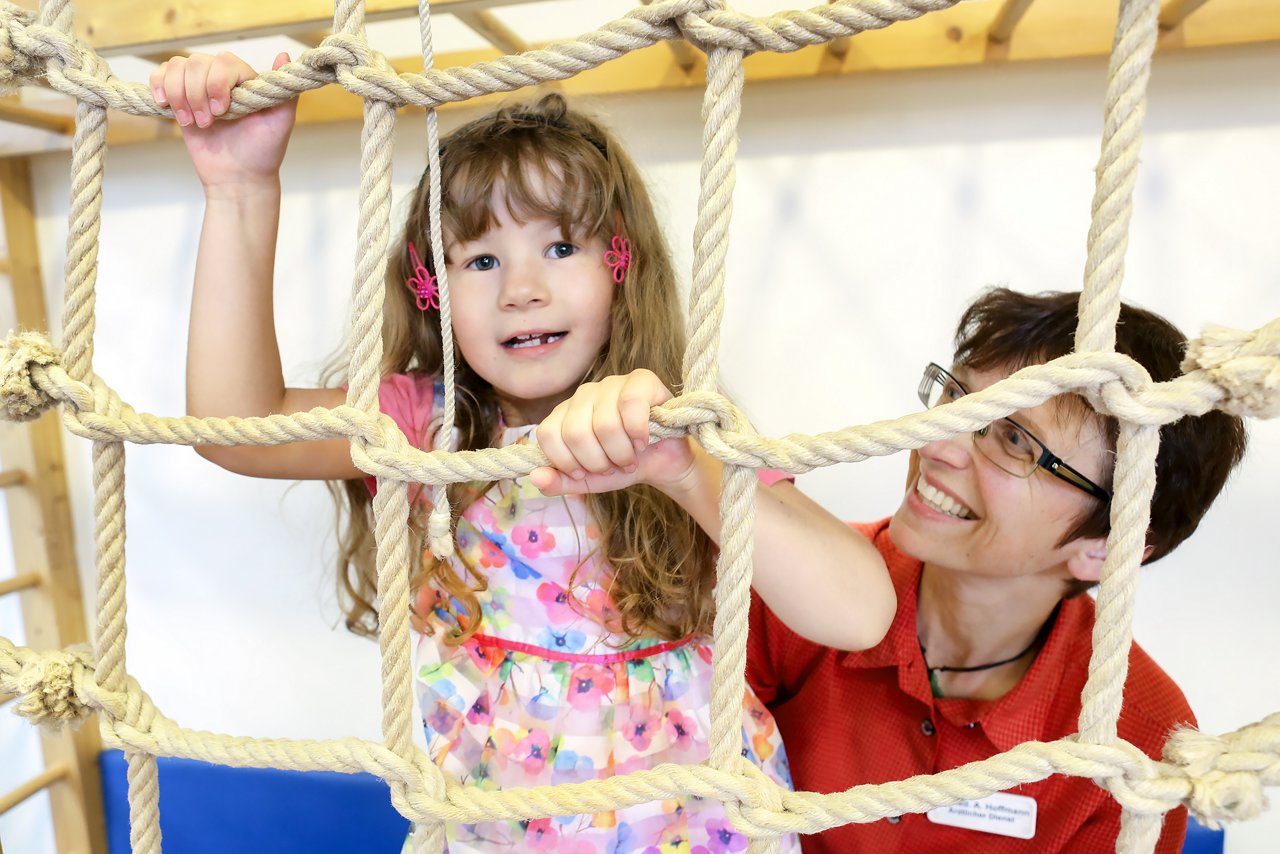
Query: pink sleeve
x,y
771,476
410,401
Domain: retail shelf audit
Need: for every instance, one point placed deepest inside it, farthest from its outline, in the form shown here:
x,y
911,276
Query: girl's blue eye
x,y
482,263
561,249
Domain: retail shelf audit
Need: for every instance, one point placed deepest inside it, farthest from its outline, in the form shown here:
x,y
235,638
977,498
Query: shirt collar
x,y
1023,713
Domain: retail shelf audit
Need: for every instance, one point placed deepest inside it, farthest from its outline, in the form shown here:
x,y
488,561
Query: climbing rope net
x,y
1216,777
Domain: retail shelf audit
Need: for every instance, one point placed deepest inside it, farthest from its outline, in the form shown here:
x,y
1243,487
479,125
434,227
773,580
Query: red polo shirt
x,y
869,717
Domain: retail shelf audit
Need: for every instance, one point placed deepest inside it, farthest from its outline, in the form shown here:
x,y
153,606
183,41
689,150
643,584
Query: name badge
x,y
1002,814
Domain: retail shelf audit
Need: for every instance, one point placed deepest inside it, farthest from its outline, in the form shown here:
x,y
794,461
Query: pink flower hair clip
x,y
618,256
422,283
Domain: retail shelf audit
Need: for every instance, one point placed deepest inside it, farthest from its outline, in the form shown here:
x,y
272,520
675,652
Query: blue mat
x,y
213,809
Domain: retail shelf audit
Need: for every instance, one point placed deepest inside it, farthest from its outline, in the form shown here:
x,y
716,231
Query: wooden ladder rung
x,y
12,477
25,581
44,780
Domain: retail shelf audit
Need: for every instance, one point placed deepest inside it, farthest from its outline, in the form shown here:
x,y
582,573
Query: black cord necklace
x,y
1036,641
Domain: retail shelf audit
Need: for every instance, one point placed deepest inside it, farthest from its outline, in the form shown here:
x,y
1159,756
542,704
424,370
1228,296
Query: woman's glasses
x,y
1006,442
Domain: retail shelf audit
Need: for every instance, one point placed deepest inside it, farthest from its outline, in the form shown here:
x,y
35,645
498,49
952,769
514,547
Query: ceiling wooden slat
x,y
957,37
493,30
1006,20
1174,12
18,114
116,27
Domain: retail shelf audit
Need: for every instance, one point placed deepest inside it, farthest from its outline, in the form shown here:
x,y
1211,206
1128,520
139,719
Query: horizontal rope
x,y
31,380
1207,773
29,50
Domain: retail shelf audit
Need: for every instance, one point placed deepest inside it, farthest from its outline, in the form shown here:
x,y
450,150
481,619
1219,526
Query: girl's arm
x,y
233,360
821,578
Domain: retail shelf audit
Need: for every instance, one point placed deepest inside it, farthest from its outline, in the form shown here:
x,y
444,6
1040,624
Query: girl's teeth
x,y
940,501
534,340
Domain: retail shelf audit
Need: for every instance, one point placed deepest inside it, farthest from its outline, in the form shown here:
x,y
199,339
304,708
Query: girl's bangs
x,y
534,180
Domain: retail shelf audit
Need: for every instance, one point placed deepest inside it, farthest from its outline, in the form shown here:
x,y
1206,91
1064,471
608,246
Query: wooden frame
x,y
967,34
44,546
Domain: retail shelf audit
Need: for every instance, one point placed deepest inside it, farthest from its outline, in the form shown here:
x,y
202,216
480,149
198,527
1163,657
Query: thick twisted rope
x,y
1219,778
1240,372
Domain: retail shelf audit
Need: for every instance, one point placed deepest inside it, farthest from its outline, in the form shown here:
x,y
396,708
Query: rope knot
x,y
21,399
695,410
48,683
1228,773
15,65
1245,365
759,800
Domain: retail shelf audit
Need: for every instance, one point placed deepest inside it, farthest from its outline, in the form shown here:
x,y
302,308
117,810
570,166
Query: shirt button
x,y
894,819
926,727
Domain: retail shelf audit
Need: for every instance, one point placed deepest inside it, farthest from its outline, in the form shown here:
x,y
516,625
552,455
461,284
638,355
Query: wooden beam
x,y
686,55
44,780
312,38
116,27
12,477
1006,20
42,535
18,583
39,119
838,48
4,266
1054,29
161,57
490,26
1174,12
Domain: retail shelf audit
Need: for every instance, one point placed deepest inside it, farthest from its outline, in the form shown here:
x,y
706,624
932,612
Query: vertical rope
x,y
1125,107
391,504
439,525
721,109
80,269
143,778
1139,832
1113,629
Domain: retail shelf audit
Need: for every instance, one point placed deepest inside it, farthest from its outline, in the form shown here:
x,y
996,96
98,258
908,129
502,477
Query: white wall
x,y
869,211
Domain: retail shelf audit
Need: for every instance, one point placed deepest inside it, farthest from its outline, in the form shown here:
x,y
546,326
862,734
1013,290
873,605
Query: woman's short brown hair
x,y
1004,329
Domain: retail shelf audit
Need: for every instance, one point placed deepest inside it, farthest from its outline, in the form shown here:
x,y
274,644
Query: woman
x,y
998,534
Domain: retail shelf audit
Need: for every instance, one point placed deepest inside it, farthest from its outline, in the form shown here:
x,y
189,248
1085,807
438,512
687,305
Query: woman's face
x,y
962,512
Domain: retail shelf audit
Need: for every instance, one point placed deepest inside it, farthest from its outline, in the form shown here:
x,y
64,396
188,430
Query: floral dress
x,y
544,694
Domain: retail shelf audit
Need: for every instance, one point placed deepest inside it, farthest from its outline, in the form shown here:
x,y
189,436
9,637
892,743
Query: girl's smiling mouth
x,y
531,340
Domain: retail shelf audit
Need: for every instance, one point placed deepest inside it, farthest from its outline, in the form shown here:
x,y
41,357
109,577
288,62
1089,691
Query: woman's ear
x,y
1085,562
1087,556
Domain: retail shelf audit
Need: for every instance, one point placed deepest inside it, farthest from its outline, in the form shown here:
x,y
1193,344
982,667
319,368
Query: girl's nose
x,y
523,285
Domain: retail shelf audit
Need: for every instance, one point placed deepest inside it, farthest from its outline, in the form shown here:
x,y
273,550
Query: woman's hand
x,y
598,440
229,153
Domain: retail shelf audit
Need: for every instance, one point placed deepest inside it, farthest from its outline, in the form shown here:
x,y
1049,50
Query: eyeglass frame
x,y
1047,460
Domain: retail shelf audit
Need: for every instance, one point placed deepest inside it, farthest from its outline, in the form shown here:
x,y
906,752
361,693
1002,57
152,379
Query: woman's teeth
x,y
940,501
538,340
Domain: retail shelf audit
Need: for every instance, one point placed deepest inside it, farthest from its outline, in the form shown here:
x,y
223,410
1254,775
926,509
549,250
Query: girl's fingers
x,y
175,87
579,433
609,426
226,71
633,408
282,58
197,83
156,82
551,440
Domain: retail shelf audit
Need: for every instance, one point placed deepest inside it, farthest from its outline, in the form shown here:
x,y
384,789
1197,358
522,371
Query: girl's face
x,y
996,524
530,311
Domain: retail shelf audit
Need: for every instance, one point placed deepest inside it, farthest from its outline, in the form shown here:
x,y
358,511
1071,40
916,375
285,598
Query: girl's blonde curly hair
x,y
544,160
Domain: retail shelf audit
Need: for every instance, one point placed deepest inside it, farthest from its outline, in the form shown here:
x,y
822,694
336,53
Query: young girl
x,y
567,639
